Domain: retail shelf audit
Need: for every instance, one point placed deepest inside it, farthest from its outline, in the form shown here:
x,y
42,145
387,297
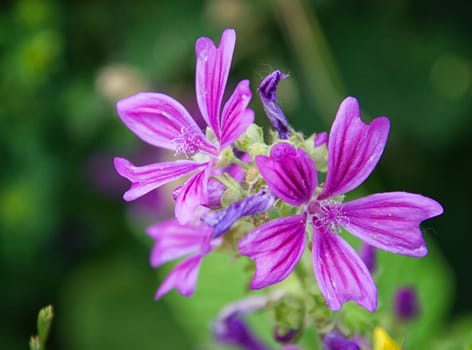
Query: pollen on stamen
x,y
327,213
188,142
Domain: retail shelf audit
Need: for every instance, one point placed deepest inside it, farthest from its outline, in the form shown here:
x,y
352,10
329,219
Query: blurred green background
x,y
67,238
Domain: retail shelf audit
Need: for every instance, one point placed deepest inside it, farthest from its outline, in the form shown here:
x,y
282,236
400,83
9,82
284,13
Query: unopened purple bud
x,y
224,219
406,304
268,94
231,329
234,331
335,341
286,337
369,256
321,139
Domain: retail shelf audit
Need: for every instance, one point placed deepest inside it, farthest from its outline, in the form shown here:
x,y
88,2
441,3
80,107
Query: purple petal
x,y
212,72
233,330
335,341
290,173
406,304
354,149
174,240
276,247
390,221
368,255
267,92
341,274
321,139
149,177
190,196
224,219
236,117
183,277
163,122
286,337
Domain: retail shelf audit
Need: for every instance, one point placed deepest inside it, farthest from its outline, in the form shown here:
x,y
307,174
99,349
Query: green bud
x,y
45,317
233,192
289,314
318,154
35,343
257,149
225,158
253,134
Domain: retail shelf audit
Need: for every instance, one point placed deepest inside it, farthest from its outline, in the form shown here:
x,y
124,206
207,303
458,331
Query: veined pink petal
x,y
276,247
236,118
175,240
183,277
354,148
149,177
391,221
192,194
163,122
212,72
341,274
290,173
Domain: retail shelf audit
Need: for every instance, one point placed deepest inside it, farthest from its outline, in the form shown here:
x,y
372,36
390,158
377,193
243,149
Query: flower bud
x,y
336,341
368,255
267,92
406,304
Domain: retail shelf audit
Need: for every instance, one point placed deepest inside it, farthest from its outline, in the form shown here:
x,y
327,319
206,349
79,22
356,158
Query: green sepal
x,y
289,313
233,192
253,135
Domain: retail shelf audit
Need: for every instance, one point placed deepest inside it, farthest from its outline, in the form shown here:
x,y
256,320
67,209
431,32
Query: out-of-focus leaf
x,y
456,337
431,278
108,304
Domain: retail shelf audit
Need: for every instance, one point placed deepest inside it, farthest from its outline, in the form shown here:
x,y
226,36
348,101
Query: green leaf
x,y
431,278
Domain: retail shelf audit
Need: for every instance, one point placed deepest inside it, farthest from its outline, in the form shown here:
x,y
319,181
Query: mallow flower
x,y
388,221
161,121
174,240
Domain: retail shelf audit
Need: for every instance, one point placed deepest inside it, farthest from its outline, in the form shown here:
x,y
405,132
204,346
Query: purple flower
x,y
175,240
335,341
231,329
224,219
389,221
267,92
406,304
368,255
163,122
287,337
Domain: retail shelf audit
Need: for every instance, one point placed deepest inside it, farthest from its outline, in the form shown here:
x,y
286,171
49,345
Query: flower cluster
x,y
233,176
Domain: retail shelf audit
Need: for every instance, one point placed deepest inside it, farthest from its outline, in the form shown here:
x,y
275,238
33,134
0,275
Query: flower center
x,y
326,213
188,142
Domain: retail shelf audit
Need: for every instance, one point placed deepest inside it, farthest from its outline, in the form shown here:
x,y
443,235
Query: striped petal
x,y
212,70
290,173
236,117
276,247
183,277
174,240
149,177
341,274
354,149
391,221
190,196
163,122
